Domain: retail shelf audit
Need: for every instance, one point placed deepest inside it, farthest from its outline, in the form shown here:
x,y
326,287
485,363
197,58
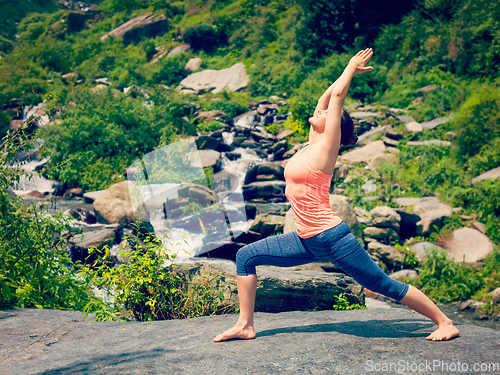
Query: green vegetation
x,y
33,258
147,285
342,303
444,280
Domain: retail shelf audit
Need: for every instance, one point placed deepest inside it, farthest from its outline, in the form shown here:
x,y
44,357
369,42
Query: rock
x,y
197,193
479,226
437,142
210,158
493,173
432,213
495,296
406,119
295,342
383,158
410,274
390,142
272,169
365,154
115,205
268,224
68,77
193,64
273,191
90,196
426,89
33,194
233,79
279,289
366,138
388,254
469,243
341,170
81,214
148,24
363,115
363,216
385,235
369,187
284,133
72,193
341,207
434,123
180,49
385,217
414,127
421,248
80,244
214,115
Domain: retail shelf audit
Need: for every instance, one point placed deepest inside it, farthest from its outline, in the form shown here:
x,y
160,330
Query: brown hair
x,y
347,132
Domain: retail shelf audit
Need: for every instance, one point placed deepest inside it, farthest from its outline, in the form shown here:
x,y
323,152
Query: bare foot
x,y
446,331
237,332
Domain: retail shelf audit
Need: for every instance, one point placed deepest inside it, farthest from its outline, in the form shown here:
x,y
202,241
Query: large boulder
x,y
385,217
148,25
234,78
210,159
421,249
432,213
115,205
279,289
341,207
371,152
392,257
79,245
268,224
274,171
264,190
470,243
492,173
386,235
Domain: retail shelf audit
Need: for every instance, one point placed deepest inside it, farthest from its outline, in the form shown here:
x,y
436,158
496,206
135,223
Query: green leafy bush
x,y
444,280
148,285
342,303
33,257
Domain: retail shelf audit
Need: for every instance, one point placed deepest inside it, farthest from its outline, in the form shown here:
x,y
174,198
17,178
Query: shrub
x,y
203,37
33,258
149,286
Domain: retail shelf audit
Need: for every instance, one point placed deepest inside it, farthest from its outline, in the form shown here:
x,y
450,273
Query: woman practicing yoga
x,y
321,234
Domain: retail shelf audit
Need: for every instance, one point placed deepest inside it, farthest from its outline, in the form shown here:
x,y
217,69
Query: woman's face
x,y
318,120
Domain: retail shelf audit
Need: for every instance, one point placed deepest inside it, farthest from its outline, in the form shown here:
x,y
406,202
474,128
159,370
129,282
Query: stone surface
x,y
495,296
493,173
413,127
233,79
411,274
366,138
148,24
432,213
385,217
363,115
385,235
365,154
193,64
387,254
268,224
469,243
319,343
115,205
281,289
434,123
420,249
437,142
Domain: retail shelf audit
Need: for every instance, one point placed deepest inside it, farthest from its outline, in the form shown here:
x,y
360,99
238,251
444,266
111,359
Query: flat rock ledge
x,y
297,342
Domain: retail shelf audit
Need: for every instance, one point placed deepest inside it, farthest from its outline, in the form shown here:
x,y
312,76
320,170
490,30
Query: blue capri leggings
x,y
337,244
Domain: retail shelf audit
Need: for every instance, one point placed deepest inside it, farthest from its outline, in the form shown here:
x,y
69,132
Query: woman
x,y
320,233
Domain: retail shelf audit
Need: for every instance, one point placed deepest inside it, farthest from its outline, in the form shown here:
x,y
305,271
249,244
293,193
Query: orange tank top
x,y
307,190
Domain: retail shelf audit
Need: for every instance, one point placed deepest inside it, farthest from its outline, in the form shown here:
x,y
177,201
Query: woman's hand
x,y
359,61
